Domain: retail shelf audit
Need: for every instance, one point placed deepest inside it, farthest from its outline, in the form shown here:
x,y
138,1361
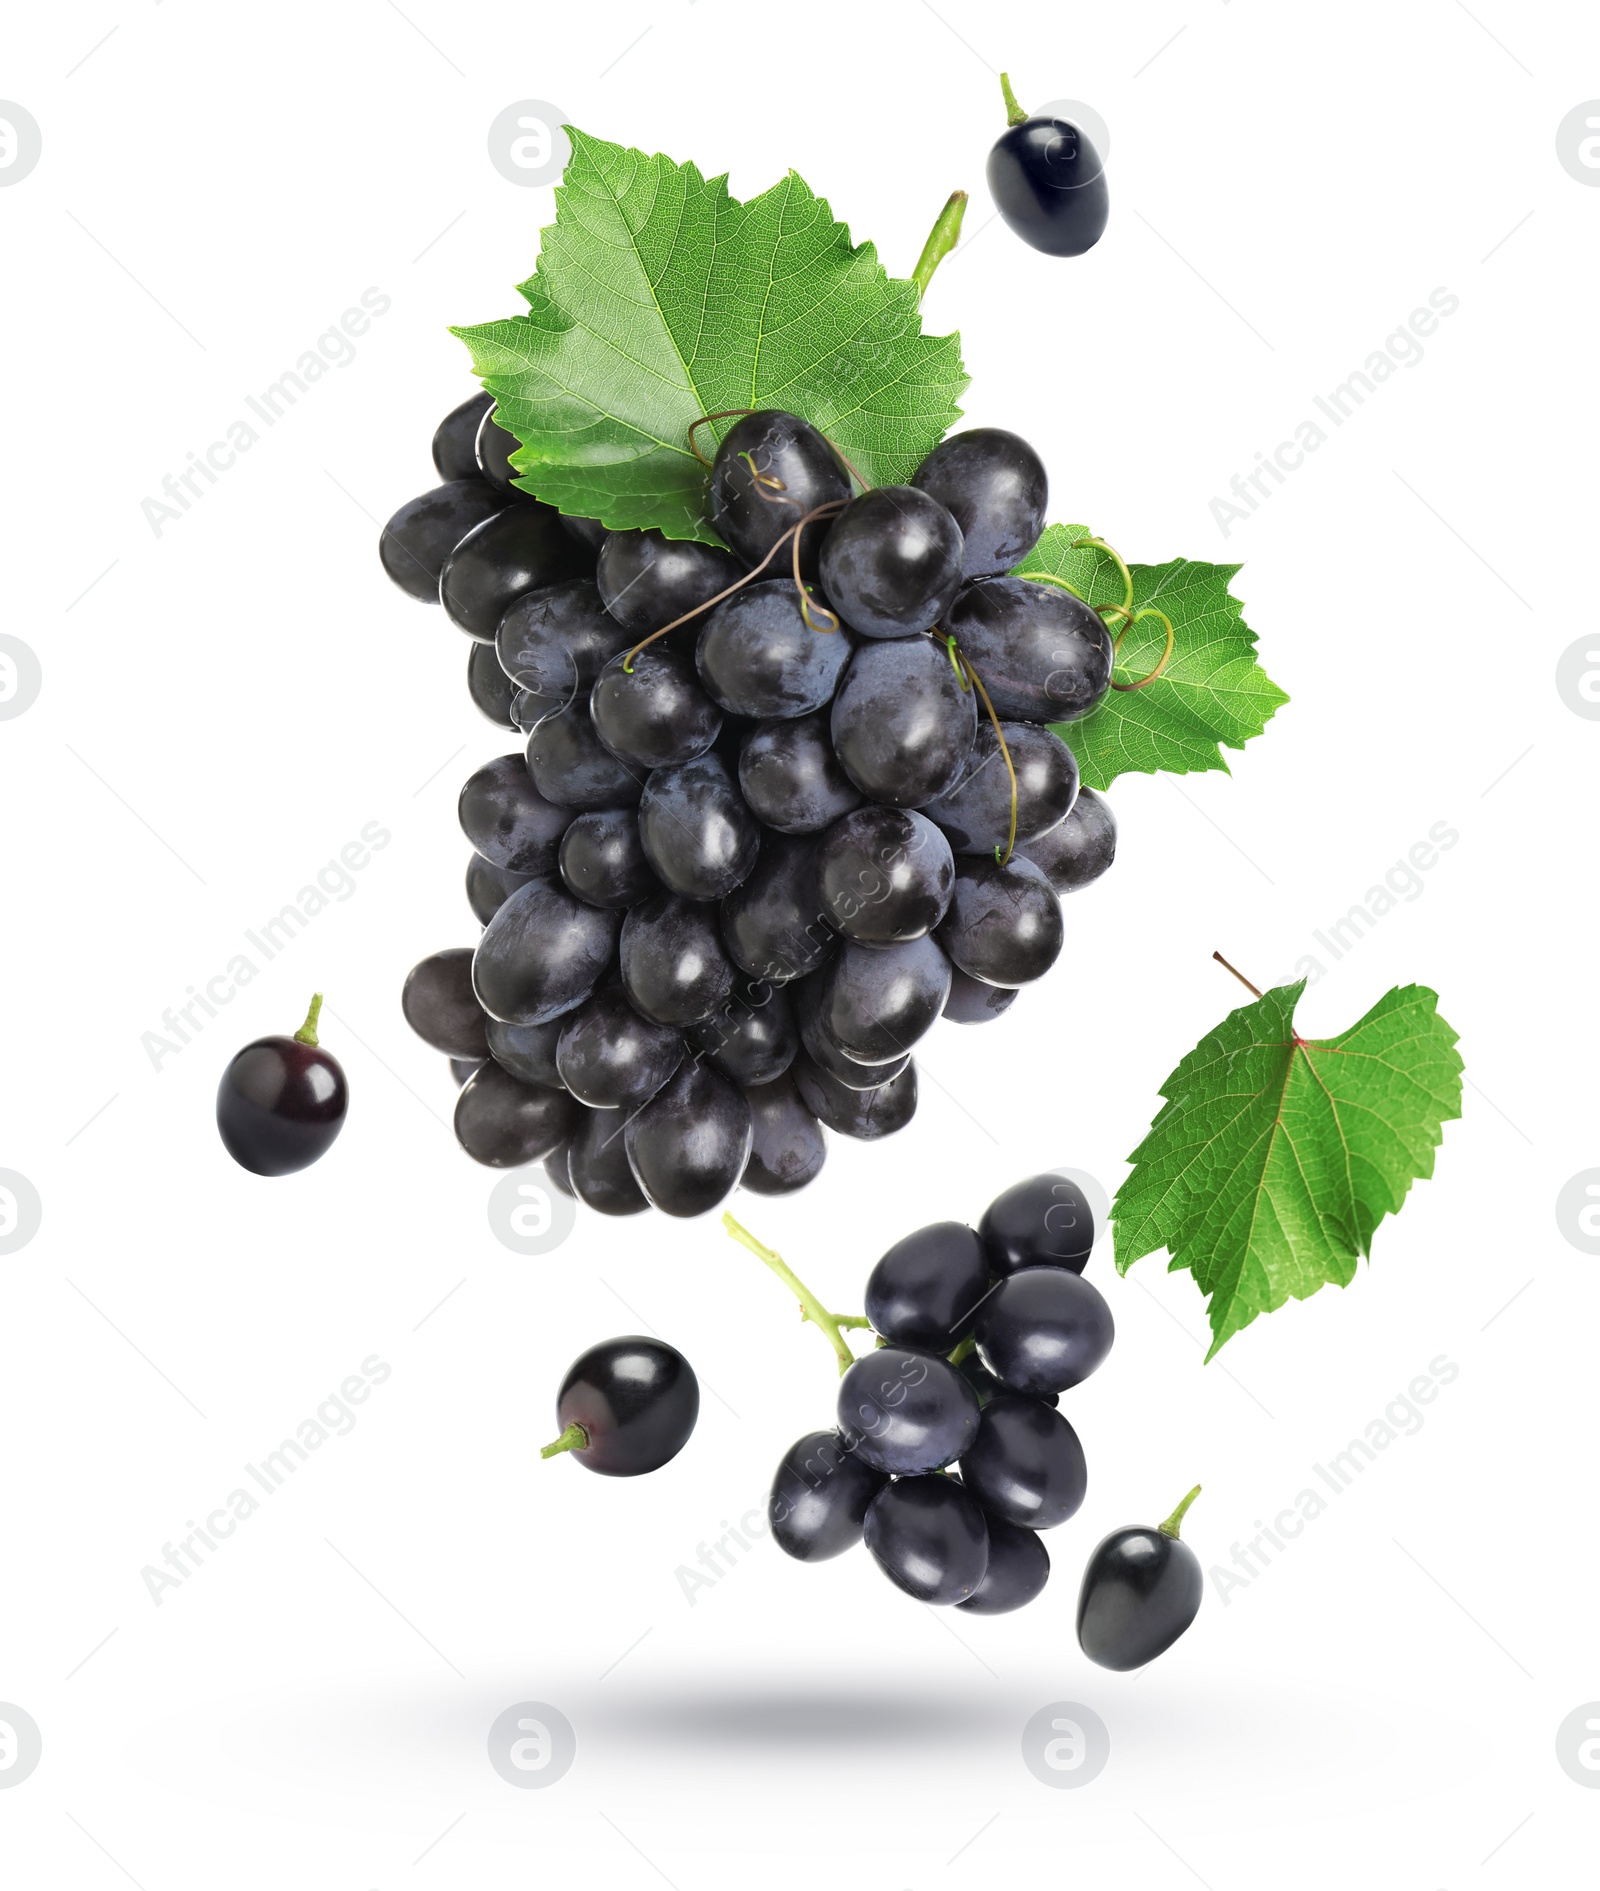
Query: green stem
x,y
574,1438
1256,989
967,1346
811,1308
1015,115
307,1034
942,238
1170,1527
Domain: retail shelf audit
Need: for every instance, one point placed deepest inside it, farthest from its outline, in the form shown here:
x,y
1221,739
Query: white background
x,y
232,700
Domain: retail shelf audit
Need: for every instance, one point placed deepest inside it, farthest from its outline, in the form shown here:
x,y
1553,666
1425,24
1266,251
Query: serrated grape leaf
x,y
1275,1158
657,298
1212,691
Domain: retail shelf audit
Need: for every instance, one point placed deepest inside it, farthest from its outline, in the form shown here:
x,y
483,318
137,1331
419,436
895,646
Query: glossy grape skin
x,y
689,1144
885,875
529,707
1017,1570
994,486
1025,1464
503,1123
787,1148
648,581
557,640
791,778
1044,1221
1141,1590
975,815
636,1400
419,537
570,764
891,563
542,954
901,723
438,1002
518,550
555,1168
973,1002
1041,653
1004,925
508,821
863,1115
751,1038
1043,1330
673,966
783,448
757,655
489,687
602,859
1049,185
455,454
825,1053
924,1290
493,449
1076,852
878,1000
697,832
819,1498
598,1172
773,924
281,1105
902,1411
609,1057
528,1051
655,714
929,1538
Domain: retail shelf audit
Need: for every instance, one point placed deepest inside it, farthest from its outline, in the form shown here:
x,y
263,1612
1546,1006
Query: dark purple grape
x,y
597,1165
493,448
626,1407
1141,1590
555,1168
976,813
973,1002
757,655
609,1057
773,924
461,1068
507,819
439,1005
994,486
925,1289
649,581
282,1101
489,687
929,1538
1078,850
455,438
1049,185
542,954
602,859
1045,1221
904,1411
415,543
902,724
864,1115
504,1123
751,1038
788,1148
673,965
1025,1464
791,777
529,707
878,1000
891,563
885,875
589,533
528,1051
1004,924
556,641
1041,653
808,994
571,766
518,550
698,834
689,1144
1043,1330
1017,1570
653,713
771,469
819,1498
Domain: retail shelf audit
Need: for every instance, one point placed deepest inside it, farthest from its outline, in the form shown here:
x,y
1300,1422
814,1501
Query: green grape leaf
x,y
657,298
1212,691
1275,1158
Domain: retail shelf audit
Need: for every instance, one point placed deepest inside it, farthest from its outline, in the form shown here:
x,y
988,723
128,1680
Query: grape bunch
x,y
780,804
